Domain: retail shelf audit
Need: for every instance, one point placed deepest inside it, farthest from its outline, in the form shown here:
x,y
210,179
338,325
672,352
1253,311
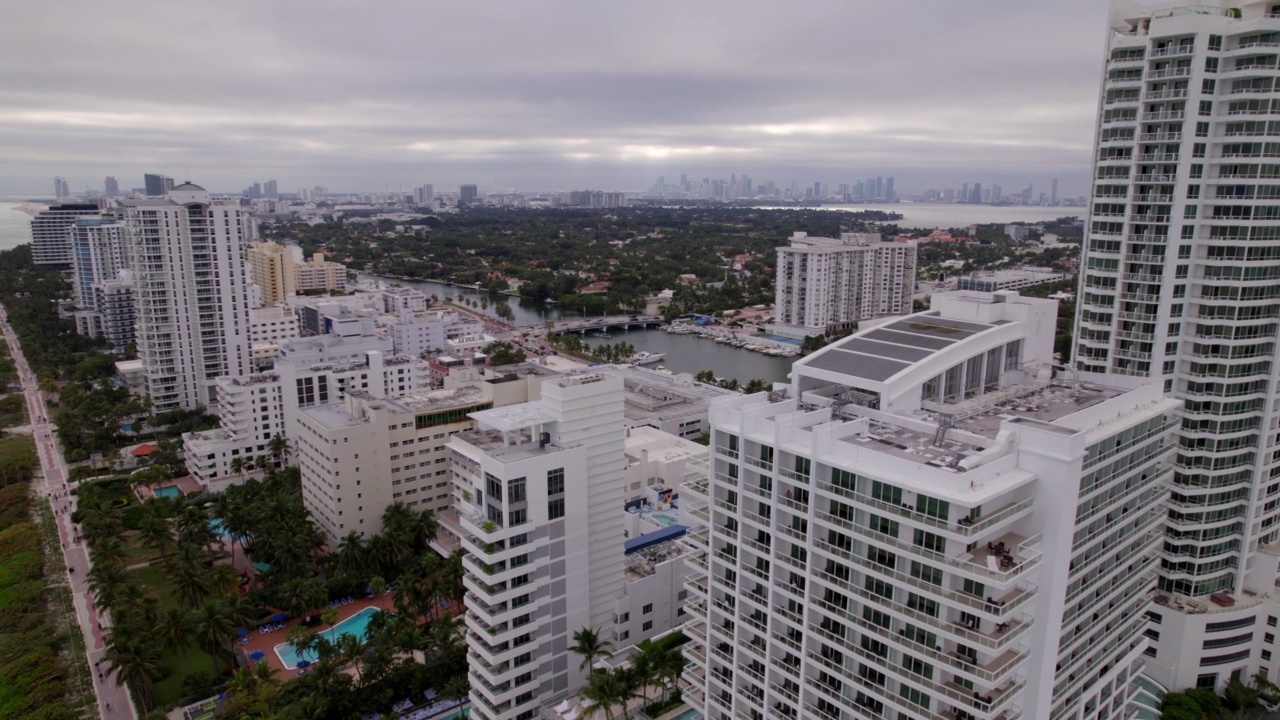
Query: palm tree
x,y
223,580
174,629
422,529
134,605
214,628
191,584
299,638
607,688
108,549
352,650
452,576
153,529
669,666
588,643
241,611
105,581
279,447
134,660
352,557
237,466
378,586
644,667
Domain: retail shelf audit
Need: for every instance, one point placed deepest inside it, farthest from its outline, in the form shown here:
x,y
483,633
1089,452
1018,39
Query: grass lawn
x,y
135,552
196,662
13,410
155,578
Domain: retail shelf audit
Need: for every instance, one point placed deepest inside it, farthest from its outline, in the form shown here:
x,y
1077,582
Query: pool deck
x,y
267,643
187,484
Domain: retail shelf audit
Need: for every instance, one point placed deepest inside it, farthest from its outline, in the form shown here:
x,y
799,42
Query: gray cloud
x,y
549,94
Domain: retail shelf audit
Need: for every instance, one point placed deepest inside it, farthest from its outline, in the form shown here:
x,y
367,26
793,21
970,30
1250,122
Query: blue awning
x,y
671,532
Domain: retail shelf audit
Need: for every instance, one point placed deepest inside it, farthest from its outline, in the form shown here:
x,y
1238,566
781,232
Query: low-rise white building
x,y
419,334
358,457
259,407
674,404
1016,279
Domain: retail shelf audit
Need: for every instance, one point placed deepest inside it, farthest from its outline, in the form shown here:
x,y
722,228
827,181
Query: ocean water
x,y
15,226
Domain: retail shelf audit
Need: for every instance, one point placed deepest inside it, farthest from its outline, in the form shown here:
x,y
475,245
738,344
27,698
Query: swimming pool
x,y
168,491
215,524
356,625
688,715
665,519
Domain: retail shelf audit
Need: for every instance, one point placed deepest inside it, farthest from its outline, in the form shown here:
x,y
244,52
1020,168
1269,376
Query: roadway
x,y
113,700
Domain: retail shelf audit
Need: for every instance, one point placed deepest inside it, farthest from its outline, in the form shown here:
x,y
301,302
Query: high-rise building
x,y
61,190
1053,193
157,185
97,253
467,194
539,490
424,195
271,189
925,523
110,187
828,284
187,254
279,271
889,194
975,195
1179,284
51,233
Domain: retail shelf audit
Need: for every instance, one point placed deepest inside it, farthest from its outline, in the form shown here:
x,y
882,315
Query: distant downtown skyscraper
x,y
467,194
157,185
1180,283
61,189
111,188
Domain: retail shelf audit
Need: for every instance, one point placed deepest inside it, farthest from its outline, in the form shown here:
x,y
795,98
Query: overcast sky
x,y
548,94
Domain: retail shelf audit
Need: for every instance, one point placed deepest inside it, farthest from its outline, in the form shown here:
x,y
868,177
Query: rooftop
x,y
972,426
433,400
653,395
510,418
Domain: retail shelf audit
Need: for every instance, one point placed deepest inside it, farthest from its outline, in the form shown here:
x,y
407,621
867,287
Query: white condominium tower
x,y
540,490
829,284
1181,284
192,291
926,524
51,233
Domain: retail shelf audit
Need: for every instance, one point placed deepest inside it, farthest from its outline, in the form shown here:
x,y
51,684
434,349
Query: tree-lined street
x,y
113,699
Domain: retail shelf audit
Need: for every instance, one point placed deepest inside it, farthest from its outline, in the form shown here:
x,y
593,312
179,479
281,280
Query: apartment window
x,y
555,509
1215,43
922,604
647,626
516,489
886,493
647,609
933,507
624,617
555,481
517,517
926,573
930,541
1211,65
884,526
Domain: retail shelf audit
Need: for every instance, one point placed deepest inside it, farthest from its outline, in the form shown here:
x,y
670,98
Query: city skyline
x,y
566,103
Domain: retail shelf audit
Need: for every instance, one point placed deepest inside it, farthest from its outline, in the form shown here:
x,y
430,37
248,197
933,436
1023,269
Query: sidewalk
x,y
56,489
